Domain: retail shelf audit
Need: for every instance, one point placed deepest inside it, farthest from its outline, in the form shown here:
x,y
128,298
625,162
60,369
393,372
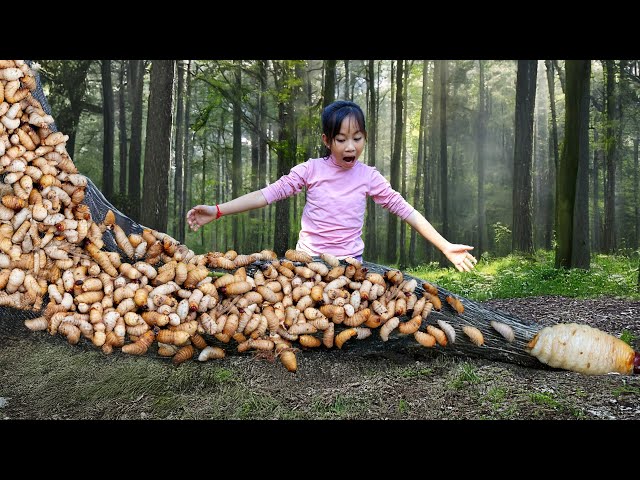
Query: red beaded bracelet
x,y
219,214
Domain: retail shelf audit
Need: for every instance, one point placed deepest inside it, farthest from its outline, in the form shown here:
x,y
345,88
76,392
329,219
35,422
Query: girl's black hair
x,y
333,115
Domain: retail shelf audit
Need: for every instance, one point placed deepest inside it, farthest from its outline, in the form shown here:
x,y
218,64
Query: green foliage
x,y
502,238
464,376
627,337
519,276
544,398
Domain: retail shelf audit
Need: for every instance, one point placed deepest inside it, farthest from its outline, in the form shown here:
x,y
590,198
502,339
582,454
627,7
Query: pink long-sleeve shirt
x,y
333,216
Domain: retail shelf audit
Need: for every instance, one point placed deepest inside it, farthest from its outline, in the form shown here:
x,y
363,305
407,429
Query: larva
x,y
438,334
456,304
344,335
424,339
503,329
448,330
388,327
474,335
583,349
331,260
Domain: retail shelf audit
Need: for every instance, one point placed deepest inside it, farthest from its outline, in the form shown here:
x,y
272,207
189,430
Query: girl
x,y
337,188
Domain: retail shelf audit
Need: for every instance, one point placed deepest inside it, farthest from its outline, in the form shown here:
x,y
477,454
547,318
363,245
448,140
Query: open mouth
x,y
348,159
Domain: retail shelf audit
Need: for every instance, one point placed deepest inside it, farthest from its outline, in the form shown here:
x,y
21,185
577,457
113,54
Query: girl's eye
x,y
358,139
339,140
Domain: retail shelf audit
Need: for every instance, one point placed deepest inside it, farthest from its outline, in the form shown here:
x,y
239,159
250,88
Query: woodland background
x,y
506,155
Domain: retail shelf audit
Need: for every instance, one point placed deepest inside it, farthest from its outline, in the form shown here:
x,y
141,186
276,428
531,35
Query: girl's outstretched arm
x,y
457,254
203,214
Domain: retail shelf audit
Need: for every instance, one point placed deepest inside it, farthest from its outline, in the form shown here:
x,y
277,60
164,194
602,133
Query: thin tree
x,y
108,127
263,151
403,169
636,196
522,239
596,231
185,188
283,73
158,146
392,230
329,88
179,152
609,240
122,128
236,157
481,130
371,245
418,186
136,78
553,147
572,208
444,175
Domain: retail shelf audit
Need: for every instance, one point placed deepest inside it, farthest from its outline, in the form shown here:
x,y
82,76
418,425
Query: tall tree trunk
x,y
371,245
444,174
636,197
185,188
522,239
480,148
574,153
236,159
595,203
403,169
108,124
392,231
157,152
122,127
262,174
329,88
609,240
179,152
392,112
431,185
347,83
553,149
286,149
581,251
560,75
420,163
136,72
203,189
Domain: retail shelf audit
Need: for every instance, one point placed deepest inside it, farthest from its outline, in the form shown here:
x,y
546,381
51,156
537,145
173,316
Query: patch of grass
x,y
580,393
165,404
516,276
258,407
627,337
465,376
626,389
496,395
544,398
341,407
403,406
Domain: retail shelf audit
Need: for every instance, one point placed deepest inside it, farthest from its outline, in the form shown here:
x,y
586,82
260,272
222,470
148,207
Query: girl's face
x,y
347,144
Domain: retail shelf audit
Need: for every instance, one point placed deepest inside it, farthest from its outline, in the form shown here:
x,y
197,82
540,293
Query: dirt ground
x,y
47,379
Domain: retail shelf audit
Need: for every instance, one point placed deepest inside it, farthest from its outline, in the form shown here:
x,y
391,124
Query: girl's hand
x,y
200,215
460,257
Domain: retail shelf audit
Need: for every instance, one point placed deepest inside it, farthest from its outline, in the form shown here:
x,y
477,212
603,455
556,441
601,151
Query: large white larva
x,y
583,349
503,329
448,330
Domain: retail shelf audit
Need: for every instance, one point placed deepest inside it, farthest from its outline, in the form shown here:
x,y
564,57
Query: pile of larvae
x,y
158,290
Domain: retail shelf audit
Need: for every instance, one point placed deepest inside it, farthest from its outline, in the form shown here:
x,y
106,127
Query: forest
x,y
505,155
